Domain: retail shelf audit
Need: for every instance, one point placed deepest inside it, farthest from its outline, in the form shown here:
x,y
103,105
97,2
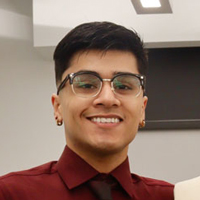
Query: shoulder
x,y
47,168
154,182
158,189
15,181
188,189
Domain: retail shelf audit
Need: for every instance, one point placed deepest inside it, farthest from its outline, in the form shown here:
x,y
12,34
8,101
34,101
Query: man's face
x,y
83,134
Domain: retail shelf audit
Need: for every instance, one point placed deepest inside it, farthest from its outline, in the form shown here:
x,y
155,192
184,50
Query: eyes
x,y
85,84
86,81
122,85
90,86
95,83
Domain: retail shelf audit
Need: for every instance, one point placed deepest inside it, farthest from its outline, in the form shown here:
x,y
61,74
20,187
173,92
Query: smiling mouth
x,y
105,120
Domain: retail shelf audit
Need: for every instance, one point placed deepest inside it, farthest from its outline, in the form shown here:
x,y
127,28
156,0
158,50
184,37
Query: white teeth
x,y
116,120
105,120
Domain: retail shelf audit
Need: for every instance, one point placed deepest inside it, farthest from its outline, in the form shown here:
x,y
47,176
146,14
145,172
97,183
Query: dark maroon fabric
x,y
68,179
101,189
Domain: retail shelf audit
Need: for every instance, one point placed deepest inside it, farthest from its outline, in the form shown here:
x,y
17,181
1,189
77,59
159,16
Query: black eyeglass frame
x,y
71,76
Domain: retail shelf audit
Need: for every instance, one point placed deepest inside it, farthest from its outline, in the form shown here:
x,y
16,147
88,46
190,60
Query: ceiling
x,y
53,19
56,18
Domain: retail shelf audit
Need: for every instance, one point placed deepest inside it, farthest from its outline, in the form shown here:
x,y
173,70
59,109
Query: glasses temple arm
x,y
62,85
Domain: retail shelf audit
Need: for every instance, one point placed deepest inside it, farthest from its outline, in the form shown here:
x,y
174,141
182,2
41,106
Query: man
x,y
100,75
188,190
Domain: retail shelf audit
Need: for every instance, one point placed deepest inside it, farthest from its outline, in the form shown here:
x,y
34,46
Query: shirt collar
x,y
74,171
123,175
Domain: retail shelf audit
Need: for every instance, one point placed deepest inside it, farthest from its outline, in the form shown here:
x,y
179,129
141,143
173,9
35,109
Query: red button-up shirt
x,y
68,179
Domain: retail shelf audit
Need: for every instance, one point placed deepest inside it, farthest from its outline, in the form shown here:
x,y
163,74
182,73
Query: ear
x,y
55,100
144,105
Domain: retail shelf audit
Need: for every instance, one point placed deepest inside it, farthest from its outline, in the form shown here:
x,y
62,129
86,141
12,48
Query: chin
x,y
108,148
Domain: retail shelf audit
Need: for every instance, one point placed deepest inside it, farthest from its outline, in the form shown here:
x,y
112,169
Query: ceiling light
x,y
150,3
147,6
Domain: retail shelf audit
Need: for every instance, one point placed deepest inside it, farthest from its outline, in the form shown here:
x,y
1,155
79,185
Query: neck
x,y
103,162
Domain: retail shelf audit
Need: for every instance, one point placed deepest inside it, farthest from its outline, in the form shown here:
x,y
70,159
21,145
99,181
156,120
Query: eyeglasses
x,y
89,84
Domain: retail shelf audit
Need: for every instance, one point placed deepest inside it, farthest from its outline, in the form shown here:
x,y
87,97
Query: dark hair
x,y
101,36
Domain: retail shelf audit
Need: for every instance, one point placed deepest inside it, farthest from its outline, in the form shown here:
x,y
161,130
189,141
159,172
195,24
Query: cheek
x,y
70,112
135,113
70,118
73,109
134,108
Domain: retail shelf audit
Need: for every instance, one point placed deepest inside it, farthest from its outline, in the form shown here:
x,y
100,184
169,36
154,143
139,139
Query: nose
x,y
106,97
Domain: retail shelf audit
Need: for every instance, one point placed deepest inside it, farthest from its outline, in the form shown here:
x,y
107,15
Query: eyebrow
x,y
90,71
114,73
117,72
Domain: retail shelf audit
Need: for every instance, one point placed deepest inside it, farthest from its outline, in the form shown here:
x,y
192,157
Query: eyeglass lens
x,y
86,85
126,85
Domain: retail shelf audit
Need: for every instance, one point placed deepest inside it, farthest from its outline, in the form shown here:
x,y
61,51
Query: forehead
x,y
105,63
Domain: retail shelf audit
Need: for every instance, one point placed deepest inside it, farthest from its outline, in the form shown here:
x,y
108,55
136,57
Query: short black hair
x,y
101,36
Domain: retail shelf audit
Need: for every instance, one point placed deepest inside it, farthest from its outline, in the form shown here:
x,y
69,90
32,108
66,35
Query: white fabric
x,y
188,190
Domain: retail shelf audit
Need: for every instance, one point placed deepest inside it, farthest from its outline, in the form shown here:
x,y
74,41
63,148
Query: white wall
x,y
29,136
171,155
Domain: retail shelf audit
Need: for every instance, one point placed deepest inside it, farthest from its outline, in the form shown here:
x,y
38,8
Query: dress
x,y
67,179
